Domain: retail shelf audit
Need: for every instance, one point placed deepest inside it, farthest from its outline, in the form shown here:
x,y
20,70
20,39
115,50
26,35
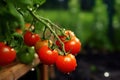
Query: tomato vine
x,y
17,36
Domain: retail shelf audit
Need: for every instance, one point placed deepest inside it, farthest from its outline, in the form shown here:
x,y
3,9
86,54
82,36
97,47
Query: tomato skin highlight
x,y
31,38
47,56
7,55
66,63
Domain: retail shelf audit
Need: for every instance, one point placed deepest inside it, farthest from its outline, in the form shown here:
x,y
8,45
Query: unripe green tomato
x,y
26,58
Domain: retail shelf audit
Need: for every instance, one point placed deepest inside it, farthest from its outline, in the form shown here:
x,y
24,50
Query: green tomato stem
x,y
48,26
51,23
44,32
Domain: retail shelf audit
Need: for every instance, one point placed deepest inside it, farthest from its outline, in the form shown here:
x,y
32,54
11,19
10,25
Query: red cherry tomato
x,y
73,46
7,55
31,38
47,56
66,64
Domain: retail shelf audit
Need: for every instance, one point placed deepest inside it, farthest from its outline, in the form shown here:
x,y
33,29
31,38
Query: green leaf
x,y
17,41
11,16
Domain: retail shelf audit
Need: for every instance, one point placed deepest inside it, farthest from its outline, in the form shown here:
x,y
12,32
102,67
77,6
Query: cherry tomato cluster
x,y
59,51
56,48
7,54
64,61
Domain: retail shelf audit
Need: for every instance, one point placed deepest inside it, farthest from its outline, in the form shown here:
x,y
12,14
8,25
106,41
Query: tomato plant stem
x,y
44,33
51,23
48,25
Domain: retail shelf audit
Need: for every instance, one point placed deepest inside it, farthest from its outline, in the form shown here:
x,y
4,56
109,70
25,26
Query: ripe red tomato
x,y
41,43
67,63
73,46
31,38
47,56
7,55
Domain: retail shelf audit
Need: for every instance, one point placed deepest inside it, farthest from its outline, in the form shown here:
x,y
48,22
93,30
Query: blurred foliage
x,y
91,27
116,25
100,38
